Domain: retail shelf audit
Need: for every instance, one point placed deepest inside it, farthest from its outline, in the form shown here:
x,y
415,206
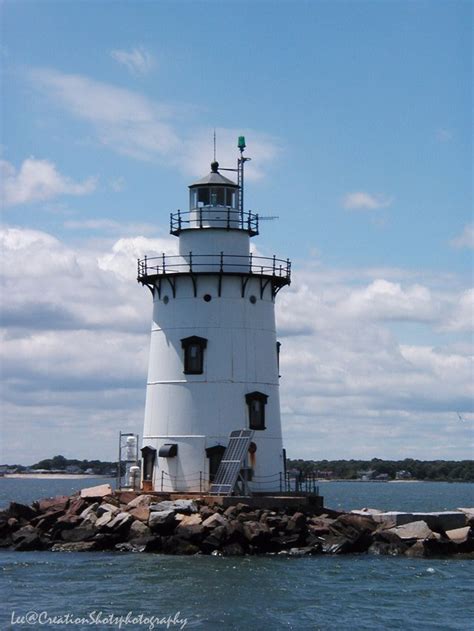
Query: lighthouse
x,y
214,355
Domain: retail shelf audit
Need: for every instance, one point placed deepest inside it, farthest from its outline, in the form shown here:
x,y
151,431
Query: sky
x,y
358,120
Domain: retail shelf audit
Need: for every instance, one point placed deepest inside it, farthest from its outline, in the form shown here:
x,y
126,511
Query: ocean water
x,y
354,592
243,594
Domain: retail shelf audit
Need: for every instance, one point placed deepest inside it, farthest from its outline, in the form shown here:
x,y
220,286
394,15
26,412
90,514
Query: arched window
x,y
256,402
193,354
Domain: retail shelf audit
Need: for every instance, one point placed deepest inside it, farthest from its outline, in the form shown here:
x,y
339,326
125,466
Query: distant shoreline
x,y
54,476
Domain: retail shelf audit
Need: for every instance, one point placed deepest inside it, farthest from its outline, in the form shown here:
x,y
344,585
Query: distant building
x,y
403,475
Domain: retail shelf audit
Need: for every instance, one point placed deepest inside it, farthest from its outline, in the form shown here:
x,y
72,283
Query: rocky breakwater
x,y
99,519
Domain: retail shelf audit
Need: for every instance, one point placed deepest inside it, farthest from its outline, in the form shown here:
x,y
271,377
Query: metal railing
x,y
214,263
214,217
283,482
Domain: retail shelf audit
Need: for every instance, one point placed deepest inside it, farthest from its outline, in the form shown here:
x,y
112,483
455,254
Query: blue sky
x,y
358,117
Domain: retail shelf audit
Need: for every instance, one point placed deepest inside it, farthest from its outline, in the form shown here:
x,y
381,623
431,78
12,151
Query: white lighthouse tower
x,y
213,365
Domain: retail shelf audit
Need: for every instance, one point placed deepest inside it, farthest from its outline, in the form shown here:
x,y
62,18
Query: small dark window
x,y
278,357
207,297
193,354
256,402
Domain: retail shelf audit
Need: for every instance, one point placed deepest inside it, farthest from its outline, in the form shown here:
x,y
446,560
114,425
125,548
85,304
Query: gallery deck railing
x,y
212,217
214,263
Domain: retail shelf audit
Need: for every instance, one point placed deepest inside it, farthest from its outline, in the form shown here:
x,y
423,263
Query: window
x,y
256,402
230,197
218,196
203,197
193,354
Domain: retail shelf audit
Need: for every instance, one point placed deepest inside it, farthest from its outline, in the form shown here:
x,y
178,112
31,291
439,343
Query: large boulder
x,y
21,511
77,534
60,502
120,524
141,500
414,530
142,513
257,534
178,506
162,522
100,491
215,520
27,538
107,507
138,530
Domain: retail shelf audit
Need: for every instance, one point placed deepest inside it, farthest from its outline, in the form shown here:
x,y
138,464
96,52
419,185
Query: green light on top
x,y
241,143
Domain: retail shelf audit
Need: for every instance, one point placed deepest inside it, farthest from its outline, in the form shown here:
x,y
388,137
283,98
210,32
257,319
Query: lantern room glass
x,y
213,196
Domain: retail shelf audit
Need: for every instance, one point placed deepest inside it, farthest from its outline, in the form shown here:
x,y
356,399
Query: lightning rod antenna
x,y
214,144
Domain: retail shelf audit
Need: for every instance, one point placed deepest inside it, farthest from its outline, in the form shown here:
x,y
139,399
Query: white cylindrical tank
x,y
131,448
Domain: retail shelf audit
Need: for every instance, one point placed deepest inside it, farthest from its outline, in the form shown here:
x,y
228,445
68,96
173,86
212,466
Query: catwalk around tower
x,y
214,356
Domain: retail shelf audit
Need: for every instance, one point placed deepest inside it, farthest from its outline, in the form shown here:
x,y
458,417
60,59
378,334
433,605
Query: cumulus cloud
x,y
137,60
360,200
134,125
75,342
38,180
465,239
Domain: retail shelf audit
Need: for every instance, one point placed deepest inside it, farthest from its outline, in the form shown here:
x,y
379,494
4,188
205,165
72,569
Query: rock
x,y
413,530
141,501
120,523
104,519
106,540
257,534
91,509
21,511
178,506
193,532
249,516
233,550
27,538
206,512
142,513
459,535
214,520
176,545
66,521
47,520
60,502
386,542
97,491
77,546
125,497
138,530
76,506
162,522
214,540
230,512
77,534
107,508
191,520
23,532
300,552
285,541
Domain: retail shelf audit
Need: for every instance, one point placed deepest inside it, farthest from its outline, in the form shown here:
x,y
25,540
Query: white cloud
x,y
360,200
38,180
76,335
140,128
465,239
137,60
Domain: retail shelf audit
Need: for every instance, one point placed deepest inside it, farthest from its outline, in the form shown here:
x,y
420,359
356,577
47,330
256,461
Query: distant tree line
x,y
435,470
60,463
